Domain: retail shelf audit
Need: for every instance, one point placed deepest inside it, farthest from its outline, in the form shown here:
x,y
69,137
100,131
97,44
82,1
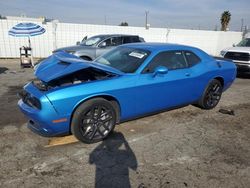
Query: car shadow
x,y
113,158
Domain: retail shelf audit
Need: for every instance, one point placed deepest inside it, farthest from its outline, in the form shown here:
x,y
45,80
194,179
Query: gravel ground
x,y
187,147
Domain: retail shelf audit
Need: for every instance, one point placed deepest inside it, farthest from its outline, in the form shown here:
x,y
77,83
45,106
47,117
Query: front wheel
x,y
211,95
93,120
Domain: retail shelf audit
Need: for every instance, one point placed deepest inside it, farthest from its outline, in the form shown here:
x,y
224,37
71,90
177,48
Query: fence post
x,y
54,28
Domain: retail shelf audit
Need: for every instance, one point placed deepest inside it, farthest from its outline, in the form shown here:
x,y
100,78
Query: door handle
x,y
187,74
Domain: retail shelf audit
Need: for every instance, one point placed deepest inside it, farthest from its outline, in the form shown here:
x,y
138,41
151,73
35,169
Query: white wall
x,y
67,34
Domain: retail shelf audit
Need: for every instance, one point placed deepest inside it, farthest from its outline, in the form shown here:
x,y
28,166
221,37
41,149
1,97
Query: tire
x,y
211,96
86,58
93,120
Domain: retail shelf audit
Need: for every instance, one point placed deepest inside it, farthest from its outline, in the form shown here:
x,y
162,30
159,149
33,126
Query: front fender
x,y
100,95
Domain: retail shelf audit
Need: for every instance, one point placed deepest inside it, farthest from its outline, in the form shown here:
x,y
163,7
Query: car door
x,y
162,91
107,45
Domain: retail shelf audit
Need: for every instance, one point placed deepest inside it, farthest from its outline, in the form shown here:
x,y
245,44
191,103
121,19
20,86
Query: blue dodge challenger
x,y
87,99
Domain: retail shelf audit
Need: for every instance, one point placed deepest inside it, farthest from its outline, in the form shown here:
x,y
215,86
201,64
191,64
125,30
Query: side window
x,y
191,58
130,39
126,40
105,43
170,59
114,41
135,39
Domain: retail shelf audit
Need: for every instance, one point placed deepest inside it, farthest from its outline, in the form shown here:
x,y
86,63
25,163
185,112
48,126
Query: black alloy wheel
x,y
93,120
212,95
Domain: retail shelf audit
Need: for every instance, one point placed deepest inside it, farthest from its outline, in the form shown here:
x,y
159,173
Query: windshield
x,y
244,43
91,41
125,59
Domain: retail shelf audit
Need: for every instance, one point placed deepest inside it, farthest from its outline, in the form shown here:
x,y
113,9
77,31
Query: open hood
x,y
61,63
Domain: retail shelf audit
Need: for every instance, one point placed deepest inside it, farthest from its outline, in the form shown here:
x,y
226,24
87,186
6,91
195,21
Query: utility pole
x,y
105,19
146,21
216,28
242,24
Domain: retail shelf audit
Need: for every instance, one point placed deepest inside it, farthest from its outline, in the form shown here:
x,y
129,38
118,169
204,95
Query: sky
x,y
191,14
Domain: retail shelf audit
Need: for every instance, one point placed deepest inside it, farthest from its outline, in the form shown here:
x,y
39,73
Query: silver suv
x,y
95,46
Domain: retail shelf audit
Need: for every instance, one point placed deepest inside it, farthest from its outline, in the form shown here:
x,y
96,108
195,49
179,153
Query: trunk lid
x,y
61,63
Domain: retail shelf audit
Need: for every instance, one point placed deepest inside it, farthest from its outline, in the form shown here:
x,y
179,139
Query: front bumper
x,y
43,121
243,68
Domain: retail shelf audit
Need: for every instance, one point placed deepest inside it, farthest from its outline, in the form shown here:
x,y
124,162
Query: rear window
x,y
130,39
191,58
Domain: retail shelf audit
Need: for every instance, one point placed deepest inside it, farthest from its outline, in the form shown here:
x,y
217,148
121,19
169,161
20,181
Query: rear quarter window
x,y
130,39
191,58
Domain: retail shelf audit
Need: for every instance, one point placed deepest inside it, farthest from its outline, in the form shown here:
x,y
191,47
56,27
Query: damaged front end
x,y
41,99
78,77
63,69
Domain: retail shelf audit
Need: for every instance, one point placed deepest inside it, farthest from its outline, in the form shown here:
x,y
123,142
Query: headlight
x,y
29,100
222,53
36,66
34,102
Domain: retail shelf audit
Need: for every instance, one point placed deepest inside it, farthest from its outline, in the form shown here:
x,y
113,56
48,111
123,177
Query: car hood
x,y
238,49
72,48
61,63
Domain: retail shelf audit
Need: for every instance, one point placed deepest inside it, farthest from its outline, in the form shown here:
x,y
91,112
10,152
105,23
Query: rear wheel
x,y
93,120
211,95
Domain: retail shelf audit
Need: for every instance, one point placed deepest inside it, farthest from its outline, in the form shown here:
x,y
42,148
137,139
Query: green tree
x,y
224,20
123,24
2,17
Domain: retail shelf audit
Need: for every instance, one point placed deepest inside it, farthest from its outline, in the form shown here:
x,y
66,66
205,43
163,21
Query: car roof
x,y
159,46
112,35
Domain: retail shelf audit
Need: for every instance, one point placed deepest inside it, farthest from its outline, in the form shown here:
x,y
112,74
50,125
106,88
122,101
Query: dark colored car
x,y
95,46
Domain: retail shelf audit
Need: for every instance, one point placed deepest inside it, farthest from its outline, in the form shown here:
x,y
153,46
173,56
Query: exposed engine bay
x,y
84,75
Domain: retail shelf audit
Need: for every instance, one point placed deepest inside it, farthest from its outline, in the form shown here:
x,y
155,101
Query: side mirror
x,y
78,43
85,38
160,70
103,45
234,45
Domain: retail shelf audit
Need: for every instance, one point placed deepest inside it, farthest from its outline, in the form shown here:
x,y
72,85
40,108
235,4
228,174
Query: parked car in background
x,y
91,48
240,54
71,95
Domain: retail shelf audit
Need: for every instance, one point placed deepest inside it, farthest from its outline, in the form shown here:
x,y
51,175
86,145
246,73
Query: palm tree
x,y
224,20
